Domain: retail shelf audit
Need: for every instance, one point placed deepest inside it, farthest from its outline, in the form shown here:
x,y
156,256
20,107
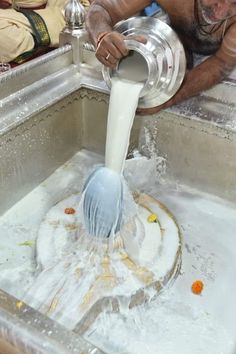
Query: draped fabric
x,y
18,36
40,34
19,39
34,4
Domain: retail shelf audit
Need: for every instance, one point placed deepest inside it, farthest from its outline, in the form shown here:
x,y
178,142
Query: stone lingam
x,y
76,270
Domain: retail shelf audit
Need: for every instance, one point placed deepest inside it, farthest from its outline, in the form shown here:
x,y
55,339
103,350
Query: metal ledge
x,y
209,110
34,86
21,105
26,74
24,330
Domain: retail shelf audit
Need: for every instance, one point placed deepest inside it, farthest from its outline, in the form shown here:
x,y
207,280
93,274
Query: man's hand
x,y
112,48
153,110
149,111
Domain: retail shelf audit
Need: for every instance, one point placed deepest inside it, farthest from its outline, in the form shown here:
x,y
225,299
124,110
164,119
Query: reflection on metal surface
x,y
164,55
4,67
26,331
35,63
74,15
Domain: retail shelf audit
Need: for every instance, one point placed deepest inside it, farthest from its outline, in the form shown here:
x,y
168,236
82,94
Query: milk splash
x,y
105,194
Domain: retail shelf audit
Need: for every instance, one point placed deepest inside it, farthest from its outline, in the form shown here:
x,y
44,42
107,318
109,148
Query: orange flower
x,y
69,211
197,287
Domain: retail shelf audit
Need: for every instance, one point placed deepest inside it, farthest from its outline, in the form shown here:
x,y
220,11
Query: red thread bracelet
x,y
100,37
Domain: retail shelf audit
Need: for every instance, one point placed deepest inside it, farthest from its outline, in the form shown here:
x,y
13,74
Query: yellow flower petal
x,y
19,304
29,243
152,218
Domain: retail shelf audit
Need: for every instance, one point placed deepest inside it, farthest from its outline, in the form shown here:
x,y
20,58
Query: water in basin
x,y
177,316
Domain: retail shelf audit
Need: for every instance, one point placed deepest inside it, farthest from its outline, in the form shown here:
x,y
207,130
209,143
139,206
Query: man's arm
x,y
104,14
100,19
199,79
210,72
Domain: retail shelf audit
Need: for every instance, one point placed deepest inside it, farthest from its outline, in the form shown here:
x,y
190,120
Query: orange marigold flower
x,y
197,287
69,211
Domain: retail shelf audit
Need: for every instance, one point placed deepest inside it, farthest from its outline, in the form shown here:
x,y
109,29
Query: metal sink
x,y
51,108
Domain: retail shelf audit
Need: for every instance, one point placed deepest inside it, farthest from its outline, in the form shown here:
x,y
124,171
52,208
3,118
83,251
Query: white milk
x,y
122,106
104,200
133,67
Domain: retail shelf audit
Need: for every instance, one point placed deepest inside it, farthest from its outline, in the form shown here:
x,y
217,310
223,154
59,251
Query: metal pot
x,y
161,61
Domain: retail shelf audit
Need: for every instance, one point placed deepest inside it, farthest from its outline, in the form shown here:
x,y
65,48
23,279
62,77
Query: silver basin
x,y
57,111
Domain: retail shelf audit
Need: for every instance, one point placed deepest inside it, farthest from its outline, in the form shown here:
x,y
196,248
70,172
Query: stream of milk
x,y
106,200
122,106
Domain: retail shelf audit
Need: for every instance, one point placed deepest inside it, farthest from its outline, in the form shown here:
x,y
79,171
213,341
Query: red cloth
x,y
4,4
38,52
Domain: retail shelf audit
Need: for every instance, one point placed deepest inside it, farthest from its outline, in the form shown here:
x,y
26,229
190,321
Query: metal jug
x,y
160,63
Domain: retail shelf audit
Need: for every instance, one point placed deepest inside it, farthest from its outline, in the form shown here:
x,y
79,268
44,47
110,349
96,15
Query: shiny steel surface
x,y
26,331
52,107
74,15
164,54
21,76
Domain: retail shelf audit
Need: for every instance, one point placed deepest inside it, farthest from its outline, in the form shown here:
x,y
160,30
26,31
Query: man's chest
x,y
184,20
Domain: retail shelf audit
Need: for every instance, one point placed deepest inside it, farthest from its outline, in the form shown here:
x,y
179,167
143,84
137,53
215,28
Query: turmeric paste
x,y
69,211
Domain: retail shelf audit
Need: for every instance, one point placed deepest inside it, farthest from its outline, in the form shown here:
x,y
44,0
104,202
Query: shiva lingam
x,y
76,269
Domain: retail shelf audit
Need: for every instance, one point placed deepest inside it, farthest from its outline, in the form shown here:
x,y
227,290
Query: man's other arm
x,y
205,75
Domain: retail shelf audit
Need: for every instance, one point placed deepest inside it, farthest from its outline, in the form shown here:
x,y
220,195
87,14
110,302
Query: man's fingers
x,y
141,39
120,44
148,111
107,58
111,49
115,42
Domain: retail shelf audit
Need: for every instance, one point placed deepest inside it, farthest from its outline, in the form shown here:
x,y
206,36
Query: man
x,y
29,28
204,26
